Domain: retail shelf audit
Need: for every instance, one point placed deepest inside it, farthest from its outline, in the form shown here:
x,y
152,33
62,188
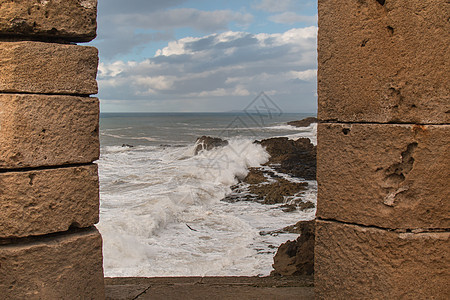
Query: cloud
x,y
275,5
205,21
128,29
219,70
111,7
292,18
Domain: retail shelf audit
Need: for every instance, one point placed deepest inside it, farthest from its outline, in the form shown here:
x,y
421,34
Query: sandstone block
x,y
71,20
390,176
46,201
64,266
353,262
385,62
42,130
48,68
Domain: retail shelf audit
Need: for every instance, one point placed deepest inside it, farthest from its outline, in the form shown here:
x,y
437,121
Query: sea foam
x,y
161,213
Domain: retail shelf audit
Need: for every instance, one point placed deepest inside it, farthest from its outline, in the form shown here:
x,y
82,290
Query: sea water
x,y
161,212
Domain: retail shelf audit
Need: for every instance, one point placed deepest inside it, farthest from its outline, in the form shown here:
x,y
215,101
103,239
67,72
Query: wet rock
x,y
208,143
295,258
294,157
296,228
303,123
299,205
305,205
255,176
127,146
274,192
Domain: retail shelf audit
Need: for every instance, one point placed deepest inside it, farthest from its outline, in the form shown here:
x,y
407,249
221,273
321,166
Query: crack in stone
x,y
396,230
42,168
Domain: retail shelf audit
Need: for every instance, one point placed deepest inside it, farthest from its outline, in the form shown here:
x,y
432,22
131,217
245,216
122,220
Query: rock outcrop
x,y
275,192
294,157
268,185
208,143
296,257
303,123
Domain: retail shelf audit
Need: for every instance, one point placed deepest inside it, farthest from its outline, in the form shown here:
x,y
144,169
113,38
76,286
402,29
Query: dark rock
x,y
289,207
303,123
295,258
255,176
208,143
127,146
305,205
294,157
296,228
299,205
274,192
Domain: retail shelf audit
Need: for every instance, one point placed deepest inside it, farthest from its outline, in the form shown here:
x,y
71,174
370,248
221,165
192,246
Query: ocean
x,y
161,212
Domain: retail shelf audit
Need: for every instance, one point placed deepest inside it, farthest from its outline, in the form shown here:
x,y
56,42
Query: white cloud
x,y
229,65
123,30
292,18
307,75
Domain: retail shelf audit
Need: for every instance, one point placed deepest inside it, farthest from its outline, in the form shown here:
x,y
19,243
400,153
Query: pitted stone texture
x,y
353,262
41,130
65,266
391,176
70,20
48,68
46,201
384,63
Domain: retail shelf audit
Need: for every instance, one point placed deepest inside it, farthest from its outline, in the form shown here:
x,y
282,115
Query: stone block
x,y
63,266
386,175
48,68
384,61
70,20
43,130
48,200
353,262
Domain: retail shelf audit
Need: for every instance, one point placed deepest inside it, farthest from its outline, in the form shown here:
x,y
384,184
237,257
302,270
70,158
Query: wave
x,y
309,132
282,127
161,203
147,190
124,137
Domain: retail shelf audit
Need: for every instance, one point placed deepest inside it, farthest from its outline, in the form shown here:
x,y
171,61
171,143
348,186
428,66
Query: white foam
x,y
150,195
309,132
283,127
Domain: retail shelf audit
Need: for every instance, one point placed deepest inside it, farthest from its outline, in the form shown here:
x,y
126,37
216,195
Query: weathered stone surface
x,y
391,176
46,201
384,63
41,130
353,262
215,287
48,68
67,266
71,20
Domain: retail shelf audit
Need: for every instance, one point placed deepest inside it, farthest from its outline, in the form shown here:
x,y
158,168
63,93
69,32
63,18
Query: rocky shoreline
x,y
281,180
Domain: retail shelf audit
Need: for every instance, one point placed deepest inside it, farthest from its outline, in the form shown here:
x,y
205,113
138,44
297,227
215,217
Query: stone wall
x,y
383,214
49,200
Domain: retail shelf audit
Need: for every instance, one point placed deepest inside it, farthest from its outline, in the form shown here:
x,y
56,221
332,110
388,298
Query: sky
x,y
206,55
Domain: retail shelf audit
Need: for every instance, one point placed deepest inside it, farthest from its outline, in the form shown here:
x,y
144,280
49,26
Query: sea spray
x,y
175,186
